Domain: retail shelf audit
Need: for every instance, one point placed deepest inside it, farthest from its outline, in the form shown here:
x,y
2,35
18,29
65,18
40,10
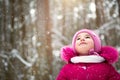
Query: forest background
x,y
33,31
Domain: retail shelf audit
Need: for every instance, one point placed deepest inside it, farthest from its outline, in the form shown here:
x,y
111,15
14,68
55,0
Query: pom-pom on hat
x,y
95,37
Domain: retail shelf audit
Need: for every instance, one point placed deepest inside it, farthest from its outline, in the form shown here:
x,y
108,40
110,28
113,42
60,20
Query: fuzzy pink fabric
x,y
98,71
89,71
109,53
67,53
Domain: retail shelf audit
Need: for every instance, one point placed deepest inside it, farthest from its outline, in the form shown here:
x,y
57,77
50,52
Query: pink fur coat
x,y
89,71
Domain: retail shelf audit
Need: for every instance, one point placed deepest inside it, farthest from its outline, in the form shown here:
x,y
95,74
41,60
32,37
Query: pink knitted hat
x,y
95,37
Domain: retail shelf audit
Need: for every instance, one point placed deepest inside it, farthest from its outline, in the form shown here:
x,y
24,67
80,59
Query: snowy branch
x,y
16,54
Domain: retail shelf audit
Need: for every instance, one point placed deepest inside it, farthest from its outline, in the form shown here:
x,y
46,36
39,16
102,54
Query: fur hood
x,y
110,54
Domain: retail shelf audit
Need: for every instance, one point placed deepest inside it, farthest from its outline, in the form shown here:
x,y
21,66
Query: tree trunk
x,y
2,38
44,38
12,23
4,26
100,15
118,7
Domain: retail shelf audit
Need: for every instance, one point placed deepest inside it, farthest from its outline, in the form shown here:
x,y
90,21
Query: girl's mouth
x,y
83,43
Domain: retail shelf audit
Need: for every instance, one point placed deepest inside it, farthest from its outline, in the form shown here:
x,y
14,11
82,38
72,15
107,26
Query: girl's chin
x,y
80,53
83,54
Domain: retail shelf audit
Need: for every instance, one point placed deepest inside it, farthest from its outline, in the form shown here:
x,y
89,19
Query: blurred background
x,y
33,31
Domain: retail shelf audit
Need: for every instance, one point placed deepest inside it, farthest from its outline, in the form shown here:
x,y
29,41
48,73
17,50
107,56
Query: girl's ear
x,y
67,53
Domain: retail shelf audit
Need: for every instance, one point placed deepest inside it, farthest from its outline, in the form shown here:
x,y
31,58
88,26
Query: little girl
x,y
87,59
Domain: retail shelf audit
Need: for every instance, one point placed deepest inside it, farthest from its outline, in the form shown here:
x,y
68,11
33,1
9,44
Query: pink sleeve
x,y
67,53
110,54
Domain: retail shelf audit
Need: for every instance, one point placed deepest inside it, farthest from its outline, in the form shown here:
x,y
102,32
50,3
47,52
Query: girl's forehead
x,y
83,34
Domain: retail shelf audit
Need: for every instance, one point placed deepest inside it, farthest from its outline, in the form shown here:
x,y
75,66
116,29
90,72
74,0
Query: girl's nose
x,y
82,39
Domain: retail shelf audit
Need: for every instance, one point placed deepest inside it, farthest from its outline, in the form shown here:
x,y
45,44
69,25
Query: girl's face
x,y
84,43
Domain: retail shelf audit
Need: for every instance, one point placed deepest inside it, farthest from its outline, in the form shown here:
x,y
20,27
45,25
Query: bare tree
x,y
118,7
100,16
44,64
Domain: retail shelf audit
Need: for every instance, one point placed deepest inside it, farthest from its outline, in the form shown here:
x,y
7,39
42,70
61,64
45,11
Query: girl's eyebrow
x,y
85,35
78,36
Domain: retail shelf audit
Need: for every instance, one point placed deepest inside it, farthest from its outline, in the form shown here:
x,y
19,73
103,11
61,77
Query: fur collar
x,y
110,54
87,59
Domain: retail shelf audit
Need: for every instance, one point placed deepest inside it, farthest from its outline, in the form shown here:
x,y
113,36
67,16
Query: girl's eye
x,y
87,37
78,38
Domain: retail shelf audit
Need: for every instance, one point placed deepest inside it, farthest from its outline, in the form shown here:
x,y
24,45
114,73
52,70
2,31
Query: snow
x,y
34,40
77,12
56,53
107,26
92,7
59,17
16,54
